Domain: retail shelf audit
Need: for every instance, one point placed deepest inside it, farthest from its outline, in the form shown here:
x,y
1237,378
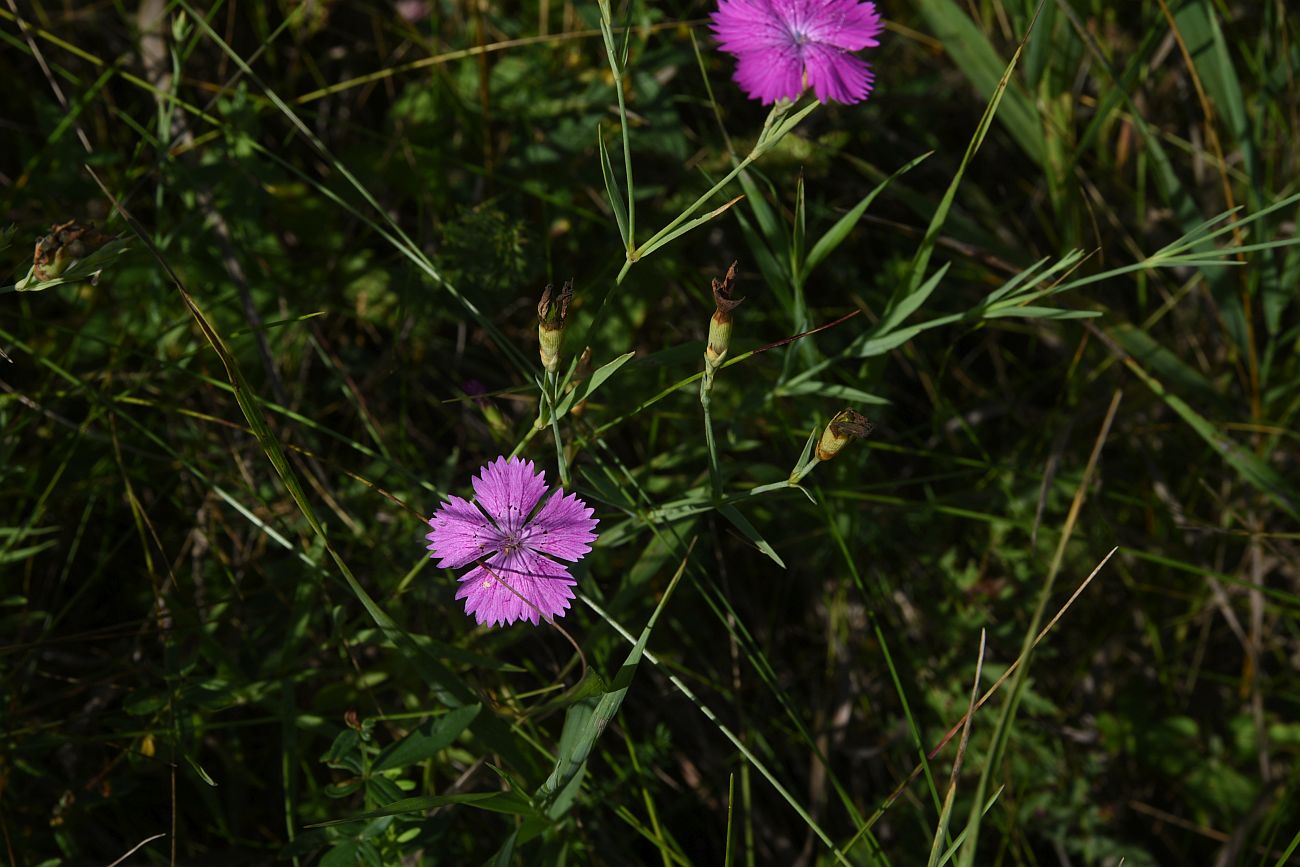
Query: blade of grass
x,y
728,734
616,202
586,720
977,59
1006,718
836,234
941,833
921,260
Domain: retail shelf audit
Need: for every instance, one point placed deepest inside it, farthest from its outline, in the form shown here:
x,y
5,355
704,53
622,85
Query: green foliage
x,y
1054,256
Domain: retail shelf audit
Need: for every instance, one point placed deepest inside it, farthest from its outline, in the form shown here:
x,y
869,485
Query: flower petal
x,y
562,528
770,75
518,585
845,24
750,25
461,534
508,490
837,75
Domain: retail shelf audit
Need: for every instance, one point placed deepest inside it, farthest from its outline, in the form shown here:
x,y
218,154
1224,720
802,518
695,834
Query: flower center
x,y
510,543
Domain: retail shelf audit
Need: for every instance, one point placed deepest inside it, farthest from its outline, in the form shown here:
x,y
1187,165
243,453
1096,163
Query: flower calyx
x,y
847,426
552,312
720,325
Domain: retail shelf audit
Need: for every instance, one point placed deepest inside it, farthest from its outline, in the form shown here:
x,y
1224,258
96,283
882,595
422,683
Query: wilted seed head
x,y
65,244
847,425
551,313
720,324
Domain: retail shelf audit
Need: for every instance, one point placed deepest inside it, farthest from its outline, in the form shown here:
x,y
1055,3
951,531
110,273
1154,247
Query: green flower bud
x,y
720,325
551,313
846,426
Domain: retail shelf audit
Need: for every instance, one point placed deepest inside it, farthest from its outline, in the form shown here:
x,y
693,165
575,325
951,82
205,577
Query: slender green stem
x,y
772,133
528,437
618,66
633,255
627,161
551,391
797,477
715,471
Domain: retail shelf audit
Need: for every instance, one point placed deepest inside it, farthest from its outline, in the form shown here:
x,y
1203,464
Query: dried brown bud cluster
x,y
847,425
552,311
65,244
720,325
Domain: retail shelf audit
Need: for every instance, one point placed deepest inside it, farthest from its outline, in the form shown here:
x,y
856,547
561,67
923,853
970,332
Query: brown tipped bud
x,y
552,311
846,426
720,324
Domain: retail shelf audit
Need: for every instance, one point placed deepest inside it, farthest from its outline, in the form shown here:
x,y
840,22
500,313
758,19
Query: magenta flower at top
x,y
512,540
779,42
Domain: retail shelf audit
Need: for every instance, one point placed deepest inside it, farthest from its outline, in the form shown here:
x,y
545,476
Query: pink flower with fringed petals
x,y
782,46
512,540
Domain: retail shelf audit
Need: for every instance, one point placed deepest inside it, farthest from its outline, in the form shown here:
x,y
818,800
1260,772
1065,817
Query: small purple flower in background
x,y
778,42
512,541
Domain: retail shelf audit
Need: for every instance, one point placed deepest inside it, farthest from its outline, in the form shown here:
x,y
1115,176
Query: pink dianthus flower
x,y
779,43
512,540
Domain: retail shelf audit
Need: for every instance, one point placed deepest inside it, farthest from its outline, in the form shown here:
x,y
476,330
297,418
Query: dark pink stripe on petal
x,y
508,490
561,528
461,534
516,586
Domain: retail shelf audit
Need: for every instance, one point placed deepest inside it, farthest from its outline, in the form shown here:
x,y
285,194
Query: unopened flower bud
x,y
846,426
720,325
551,313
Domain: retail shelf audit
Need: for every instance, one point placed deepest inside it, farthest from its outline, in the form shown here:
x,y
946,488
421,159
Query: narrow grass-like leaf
x,y
17,555
880,345
427,740
589,385
836,234
586,719
1005,724
779,123
616,202
505,856
1290,850
961,838
741,523
976,58
731,736
939,11
830,390
764,216
770,265
496,802
1030,311
1033,276
800,235
731,802
784,126
198,769
618,67
806,454
1198,24
686,227
1252,469
945,815
905,306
